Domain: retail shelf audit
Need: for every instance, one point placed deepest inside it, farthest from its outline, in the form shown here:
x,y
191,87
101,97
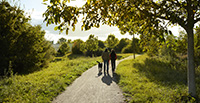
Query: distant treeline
x,y
95,47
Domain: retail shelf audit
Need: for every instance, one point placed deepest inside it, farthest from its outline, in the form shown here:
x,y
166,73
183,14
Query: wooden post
x,y
133,46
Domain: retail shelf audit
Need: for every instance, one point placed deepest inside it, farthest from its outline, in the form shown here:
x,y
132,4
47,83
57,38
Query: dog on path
x,y
99,66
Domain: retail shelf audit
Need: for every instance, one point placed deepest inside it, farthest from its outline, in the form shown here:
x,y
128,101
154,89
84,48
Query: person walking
x,y
105,57
113,58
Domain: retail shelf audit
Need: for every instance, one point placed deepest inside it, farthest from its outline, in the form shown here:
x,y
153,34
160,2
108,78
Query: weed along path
x,y
93,88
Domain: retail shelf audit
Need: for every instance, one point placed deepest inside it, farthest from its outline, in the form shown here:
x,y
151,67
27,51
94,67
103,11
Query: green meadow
x,y
147,80
44,85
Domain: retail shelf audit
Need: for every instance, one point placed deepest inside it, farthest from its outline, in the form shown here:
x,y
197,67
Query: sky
x,y
35,8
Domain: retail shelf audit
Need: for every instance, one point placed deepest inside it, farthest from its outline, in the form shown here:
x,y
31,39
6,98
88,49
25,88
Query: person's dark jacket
x,y
105,56
113,56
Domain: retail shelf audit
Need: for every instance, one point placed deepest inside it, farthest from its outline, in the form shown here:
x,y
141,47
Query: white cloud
x,y
78,3
175,30
37,15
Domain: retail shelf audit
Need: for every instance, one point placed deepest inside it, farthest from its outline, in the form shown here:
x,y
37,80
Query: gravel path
x,y
92,88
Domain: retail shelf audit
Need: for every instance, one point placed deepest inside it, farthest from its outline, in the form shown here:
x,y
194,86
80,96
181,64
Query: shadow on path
x,y
116,78
107,79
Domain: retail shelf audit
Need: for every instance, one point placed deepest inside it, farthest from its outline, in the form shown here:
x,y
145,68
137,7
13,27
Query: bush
x,y
133,46
50,54
127,49
99,52
88,53
76,48
122,43
33,52
63,49
101,44
23,46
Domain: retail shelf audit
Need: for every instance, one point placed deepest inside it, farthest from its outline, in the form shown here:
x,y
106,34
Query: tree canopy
x,y
63,49
61,40
77,46
23,46
92,43
111,41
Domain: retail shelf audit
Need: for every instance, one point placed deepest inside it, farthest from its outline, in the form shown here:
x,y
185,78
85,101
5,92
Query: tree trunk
x,y
191,68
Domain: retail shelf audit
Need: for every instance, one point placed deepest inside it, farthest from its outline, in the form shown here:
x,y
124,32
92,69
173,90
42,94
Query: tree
x,y
128,49
142,15
150,44
91,44
30,50
197,46
182,43
63,49
69,41
132,47
61,40
169,47
23,46
76,48
101,44
100,49
111,41
122,43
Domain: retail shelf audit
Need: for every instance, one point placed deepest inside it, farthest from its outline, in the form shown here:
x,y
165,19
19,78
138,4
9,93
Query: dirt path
x,y
92,88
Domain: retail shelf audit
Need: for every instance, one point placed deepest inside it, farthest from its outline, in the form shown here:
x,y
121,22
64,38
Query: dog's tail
x,y
98,62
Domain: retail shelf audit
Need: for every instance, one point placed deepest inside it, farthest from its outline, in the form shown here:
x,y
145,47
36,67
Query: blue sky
x,y
35,8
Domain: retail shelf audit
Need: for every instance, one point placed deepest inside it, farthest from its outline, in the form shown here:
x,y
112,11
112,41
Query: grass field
x,y
146,80
42,86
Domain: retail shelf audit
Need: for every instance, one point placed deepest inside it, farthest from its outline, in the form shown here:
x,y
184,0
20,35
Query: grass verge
x,y
146,79
42,86
122,56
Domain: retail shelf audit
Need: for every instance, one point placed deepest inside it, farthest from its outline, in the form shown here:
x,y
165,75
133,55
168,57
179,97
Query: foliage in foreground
x,y
23,46
44,85
153,80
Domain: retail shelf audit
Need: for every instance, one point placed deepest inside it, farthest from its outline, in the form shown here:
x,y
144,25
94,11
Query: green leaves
x,y
88,2
56,28
111,41
64,48
92,43
21,42
60,14
67,30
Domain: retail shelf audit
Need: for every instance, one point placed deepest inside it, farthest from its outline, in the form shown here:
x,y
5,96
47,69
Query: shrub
x,y
76,48
101,44
99,52
23,46
122,43
63,49
50,54
127,49
32,51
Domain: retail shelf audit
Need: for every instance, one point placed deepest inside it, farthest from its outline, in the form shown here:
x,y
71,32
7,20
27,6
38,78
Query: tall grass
x,y
42,86
155,80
